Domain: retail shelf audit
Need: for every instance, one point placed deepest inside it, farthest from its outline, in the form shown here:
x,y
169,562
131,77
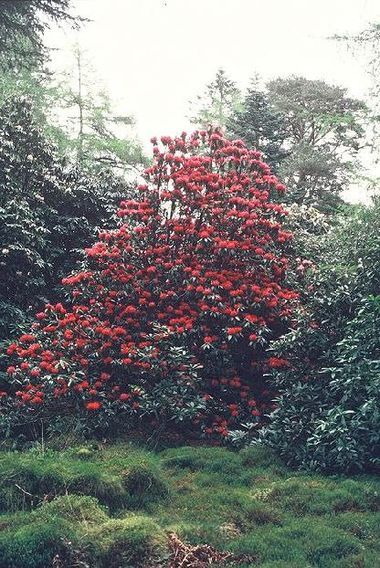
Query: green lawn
x,y
114,507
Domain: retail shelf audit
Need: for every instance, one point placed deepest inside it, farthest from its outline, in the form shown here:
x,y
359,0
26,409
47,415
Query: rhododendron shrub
x,y
176,308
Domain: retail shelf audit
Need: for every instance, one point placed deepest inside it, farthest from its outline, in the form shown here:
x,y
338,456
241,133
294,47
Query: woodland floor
x,y
122,506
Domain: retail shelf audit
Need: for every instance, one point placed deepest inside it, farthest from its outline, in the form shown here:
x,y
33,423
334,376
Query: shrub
x,y
201,254
328,412
47,210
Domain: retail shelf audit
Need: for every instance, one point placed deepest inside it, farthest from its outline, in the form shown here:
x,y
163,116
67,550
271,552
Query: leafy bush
x,y
47,210
171,314
328,414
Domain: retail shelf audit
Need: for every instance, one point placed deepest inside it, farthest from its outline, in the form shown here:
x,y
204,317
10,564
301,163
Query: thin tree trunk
x,y
80,106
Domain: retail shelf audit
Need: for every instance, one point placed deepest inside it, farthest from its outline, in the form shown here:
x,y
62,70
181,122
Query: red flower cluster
x,y
200,255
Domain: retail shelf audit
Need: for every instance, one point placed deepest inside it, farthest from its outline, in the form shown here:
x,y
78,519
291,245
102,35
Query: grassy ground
x,y
115,506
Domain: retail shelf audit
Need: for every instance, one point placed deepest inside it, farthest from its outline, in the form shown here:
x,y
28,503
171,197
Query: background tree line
x,y
310,132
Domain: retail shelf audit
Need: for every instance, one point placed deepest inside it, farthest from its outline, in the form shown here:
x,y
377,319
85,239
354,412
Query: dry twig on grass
x,y
200,556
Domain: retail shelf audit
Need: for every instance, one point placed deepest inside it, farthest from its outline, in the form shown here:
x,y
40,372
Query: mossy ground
x,y
114,506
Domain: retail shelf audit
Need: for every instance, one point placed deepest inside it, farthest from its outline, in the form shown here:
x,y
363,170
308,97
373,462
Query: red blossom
x,y
95,405
234,330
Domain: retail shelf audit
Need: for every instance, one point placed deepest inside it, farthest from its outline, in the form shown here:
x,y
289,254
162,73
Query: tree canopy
x,y
22,25
261,125
219,100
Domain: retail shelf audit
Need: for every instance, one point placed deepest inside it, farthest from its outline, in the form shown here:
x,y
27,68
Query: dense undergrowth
x,y
114,506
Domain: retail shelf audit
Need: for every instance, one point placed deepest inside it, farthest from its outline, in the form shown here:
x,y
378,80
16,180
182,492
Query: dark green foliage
x,y
325,129
261,126
328,414
47,211
22,24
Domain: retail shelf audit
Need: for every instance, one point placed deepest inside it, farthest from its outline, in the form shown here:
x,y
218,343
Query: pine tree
x,y
261,126
220,99
22,25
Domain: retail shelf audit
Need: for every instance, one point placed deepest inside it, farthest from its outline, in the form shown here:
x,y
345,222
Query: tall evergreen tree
x,y
91,131
260,125
219,100
22,25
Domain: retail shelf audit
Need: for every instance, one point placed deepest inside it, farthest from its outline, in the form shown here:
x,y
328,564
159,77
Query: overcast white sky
x,y
155,55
